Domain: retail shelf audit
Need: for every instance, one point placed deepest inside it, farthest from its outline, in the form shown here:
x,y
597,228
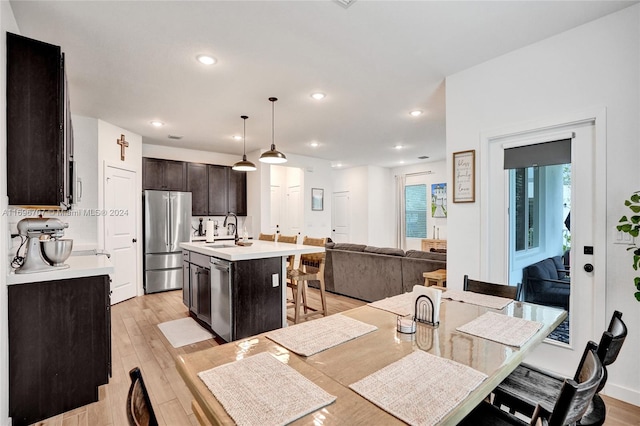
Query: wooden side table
x,y
438,276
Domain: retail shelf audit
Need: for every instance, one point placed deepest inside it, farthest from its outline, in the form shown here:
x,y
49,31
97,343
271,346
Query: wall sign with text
x,y
464,176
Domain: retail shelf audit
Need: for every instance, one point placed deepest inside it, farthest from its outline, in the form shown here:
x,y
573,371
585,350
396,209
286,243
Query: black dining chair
x,y
568,407
139,409
500,290
527,385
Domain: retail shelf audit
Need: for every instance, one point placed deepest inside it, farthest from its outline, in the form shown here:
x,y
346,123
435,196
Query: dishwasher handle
x,y
220,265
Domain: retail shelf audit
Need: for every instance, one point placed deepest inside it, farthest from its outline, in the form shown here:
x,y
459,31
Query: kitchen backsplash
x,y
219,220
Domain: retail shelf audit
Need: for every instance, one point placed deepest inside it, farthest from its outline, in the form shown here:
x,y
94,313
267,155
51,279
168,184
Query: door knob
x,y
588,267
135,240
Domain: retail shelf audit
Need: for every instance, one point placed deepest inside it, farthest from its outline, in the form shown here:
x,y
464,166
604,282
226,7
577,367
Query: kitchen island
x,y
238,291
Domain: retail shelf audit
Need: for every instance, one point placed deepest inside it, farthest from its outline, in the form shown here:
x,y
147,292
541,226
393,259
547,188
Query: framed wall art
x,y
464,176
317,199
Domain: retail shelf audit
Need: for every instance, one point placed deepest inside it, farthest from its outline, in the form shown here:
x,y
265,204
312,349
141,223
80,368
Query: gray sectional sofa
x,y
372,273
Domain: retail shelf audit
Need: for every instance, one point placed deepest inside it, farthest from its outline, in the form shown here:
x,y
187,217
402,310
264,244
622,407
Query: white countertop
x,y
80,265
258,250
217,237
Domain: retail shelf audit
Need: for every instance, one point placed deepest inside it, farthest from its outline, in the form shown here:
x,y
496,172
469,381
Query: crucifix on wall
x,y
123,144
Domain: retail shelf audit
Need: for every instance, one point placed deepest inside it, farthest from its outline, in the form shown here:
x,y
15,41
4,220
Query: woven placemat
x,y
421,388
502,328
315,336
401,304
479,299
260,390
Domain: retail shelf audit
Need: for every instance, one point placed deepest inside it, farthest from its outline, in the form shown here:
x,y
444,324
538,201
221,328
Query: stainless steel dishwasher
x,y
221,309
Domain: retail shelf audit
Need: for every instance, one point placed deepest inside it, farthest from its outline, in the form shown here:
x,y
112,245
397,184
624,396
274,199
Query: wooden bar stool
x,y
311,269
267,237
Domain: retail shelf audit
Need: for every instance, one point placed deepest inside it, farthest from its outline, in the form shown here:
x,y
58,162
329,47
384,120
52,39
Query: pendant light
x,y
273,156
244,165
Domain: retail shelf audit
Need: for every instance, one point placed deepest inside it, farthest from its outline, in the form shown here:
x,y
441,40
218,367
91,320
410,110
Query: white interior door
x,y
121,230
588,230
293,208
340,213
276,208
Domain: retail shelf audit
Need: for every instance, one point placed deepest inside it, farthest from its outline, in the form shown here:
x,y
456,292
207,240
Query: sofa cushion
x,y
349,247
384,250
557,261
418,254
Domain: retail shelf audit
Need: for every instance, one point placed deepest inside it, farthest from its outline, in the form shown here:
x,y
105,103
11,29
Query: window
x,y
526,184
416,210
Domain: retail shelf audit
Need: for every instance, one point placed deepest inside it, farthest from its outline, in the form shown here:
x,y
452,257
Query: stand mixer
x,y
45,250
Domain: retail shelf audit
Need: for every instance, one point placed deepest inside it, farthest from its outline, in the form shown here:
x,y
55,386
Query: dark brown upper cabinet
x,y
161,174
197,184
39,134
238,192
218,190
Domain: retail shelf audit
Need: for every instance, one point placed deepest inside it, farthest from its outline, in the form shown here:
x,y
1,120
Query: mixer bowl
x,y
56,251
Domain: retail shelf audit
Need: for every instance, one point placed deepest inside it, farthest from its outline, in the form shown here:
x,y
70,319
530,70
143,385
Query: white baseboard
x,y
627,395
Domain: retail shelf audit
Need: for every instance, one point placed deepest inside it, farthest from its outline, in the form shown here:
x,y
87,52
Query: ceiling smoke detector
x,y
345,3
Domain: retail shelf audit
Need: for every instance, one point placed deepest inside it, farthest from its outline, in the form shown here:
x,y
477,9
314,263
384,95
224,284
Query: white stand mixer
x,y
45,250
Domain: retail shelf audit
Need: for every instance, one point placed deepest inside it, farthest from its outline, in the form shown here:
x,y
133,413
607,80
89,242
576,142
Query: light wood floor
x,y
137,341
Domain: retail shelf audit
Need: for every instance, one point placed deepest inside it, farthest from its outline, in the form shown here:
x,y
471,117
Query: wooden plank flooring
x,y
137,341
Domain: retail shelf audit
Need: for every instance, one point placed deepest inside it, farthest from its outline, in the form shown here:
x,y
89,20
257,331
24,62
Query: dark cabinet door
x,y
152,173
197,184
257,305
59,346
35,122
238,192
175,175
218,194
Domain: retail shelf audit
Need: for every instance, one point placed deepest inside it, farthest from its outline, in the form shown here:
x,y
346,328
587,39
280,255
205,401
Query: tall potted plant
x,y
631,225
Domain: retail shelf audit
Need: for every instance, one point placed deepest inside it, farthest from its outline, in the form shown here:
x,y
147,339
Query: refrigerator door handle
x,y
168,224
172,201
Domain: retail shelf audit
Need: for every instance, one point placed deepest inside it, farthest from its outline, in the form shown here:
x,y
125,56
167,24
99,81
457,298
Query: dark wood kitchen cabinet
x,y
162,174
39,131
218,190
237,192
197,184
59,346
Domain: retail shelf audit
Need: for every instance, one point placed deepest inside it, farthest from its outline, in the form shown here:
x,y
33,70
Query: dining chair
x,y
500,290
567,408
527,385
139,409
267,237
311,269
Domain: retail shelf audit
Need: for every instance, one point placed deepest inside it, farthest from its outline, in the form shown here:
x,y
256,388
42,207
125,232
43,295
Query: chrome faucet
x,y
235,227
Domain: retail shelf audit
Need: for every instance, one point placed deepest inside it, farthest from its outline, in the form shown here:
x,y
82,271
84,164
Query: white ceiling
x,y
132,62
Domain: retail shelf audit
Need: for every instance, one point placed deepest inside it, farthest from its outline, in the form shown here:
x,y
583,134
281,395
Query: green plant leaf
x,y
635,209
635,197
624,228
637,296
633,232
636,280
635,219
623,219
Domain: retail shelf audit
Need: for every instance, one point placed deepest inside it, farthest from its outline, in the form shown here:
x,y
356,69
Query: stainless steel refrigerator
x,y
167,223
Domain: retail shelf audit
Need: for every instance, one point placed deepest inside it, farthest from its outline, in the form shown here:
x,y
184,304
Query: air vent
x,y
423,157
345,3
175,137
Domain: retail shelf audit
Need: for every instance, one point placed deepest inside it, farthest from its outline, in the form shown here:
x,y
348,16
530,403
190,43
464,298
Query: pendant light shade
x,y
244,165
273,156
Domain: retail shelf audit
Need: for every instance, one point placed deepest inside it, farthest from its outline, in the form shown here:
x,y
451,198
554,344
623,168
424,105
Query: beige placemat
x,y
493,302
502,328
315,336
401,304
260,390
421,388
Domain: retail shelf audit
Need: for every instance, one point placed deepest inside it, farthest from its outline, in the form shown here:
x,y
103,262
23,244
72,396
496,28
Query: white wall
x,y
7,23
355,181
428,174
592,66
380,207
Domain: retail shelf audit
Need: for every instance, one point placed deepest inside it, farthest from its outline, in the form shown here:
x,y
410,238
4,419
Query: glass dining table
x,y
338,369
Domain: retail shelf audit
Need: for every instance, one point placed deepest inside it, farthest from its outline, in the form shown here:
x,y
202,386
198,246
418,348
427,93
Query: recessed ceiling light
x,y
157,123
398,146
206,59
237,137
314,144
401,161
415,113
318,96
336,165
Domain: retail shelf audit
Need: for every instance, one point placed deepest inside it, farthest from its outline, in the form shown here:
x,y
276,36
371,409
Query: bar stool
x,y
311,269
290,239
267,237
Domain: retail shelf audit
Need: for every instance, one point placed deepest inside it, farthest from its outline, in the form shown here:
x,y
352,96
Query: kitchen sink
x,y
219,245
